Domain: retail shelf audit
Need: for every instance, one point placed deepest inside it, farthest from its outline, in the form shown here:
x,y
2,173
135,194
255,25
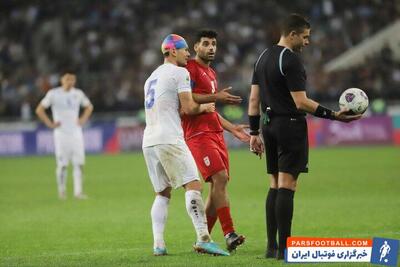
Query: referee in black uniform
x,y
279,85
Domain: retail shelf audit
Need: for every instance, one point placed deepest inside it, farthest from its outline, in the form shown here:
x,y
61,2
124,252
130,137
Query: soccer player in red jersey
x,y
204,135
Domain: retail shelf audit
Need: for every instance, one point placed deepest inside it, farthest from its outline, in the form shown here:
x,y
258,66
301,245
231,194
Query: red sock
x,y
224,215
210,222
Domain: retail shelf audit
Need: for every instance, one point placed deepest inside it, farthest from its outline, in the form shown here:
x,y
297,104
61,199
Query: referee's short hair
x,y
294,22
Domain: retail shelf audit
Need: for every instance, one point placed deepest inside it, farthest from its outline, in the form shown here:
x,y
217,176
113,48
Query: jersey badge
x,y
207,161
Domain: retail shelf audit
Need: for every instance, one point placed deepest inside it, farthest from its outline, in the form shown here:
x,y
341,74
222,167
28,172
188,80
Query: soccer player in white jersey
x,y
169,161
65,102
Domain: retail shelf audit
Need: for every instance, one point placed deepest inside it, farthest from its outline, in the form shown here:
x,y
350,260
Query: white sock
x,y
195,209
77,174
61,174
159,214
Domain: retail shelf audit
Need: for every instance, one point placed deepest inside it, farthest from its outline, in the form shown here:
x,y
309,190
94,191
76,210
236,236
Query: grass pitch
x,y
349,192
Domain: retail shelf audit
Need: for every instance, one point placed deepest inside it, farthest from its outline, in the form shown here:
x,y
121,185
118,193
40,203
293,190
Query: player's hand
x,y
256,145
224,96
239,131
344,116
54,125
208,108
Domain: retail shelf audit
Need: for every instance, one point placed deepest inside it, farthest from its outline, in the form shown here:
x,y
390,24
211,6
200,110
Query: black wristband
x,y
325,113
254,121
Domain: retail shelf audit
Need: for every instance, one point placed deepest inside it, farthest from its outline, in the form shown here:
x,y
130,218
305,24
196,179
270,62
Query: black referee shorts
x,y
286,145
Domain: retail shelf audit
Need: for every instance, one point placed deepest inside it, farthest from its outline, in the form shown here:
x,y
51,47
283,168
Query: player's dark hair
x,y
205,33
67,72
166,54
294,22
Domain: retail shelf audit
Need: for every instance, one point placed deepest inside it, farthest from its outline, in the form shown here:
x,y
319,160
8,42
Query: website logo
x,y
382,251
385,251
314,249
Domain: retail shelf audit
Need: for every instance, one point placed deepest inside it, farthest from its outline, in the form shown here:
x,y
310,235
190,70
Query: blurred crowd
x,y
113,46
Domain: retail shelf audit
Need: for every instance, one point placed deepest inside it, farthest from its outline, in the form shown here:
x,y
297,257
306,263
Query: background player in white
x,y
65,102
168,159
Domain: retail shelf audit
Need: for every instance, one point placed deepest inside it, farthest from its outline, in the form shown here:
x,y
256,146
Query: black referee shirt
x,y
277,72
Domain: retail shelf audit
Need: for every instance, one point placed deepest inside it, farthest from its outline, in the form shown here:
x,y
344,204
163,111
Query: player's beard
x,y
298,49
206,59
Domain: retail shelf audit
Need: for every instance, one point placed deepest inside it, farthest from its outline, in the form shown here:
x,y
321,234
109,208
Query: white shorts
x,y
170,166
69,148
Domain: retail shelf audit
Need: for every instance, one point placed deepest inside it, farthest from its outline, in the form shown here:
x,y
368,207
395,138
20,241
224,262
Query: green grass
x,y
349,192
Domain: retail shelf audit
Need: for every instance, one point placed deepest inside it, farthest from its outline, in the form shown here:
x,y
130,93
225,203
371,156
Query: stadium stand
x,y
113,45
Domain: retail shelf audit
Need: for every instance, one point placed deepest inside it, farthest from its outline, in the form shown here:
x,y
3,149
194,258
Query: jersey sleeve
x,y
193,75
254,79
294,73
47,100
84,100
183,80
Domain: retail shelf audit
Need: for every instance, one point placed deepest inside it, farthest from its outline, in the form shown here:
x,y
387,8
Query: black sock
x,y
284,214
270,218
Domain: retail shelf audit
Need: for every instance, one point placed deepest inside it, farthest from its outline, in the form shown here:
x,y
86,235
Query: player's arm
x,y
87,111
222,96
256,145
190,107
187,104
310,106
204,108
41,113
238,130
207,108
294,73
254,100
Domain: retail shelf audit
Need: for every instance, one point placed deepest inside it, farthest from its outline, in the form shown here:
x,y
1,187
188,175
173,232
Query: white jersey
x,y
65,108
163,123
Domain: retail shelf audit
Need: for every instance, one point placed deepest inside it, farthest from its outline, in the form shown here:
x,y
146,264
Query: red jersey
x,y
204,81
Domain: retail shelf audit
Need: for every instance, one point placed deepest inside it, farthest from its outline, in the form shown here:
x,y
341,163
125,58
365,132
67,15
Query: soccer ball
x,y
355,100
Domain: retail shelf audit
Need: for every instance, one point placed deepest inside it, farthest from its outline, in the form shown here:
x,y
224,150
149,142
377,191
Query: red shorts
x,y
210,153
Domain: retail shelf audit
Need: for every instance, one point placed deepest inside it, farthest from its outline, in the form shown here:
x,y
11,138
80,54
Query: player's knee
x,y
288,181
220,183
166,192
61,168
273,181
288,185
193,185
78,167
